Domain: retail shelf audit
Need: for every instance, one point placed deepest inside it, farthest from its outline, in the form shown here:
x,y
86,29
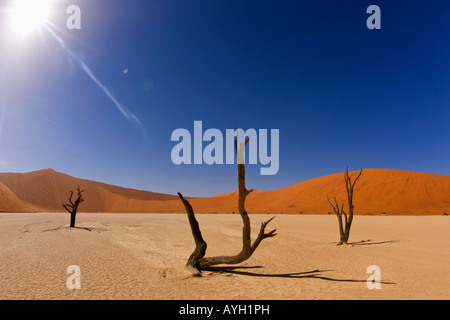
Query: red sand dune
x,y
9,202
47,190
378,191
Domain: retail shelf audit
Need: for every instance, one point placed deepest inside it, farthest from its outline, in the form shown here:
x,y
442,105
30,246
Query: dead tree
x,y
197,261
344,226
72,207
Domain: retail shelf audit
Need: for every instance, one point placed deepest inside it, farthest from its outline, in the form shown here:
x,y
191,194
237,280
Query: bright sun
x,y
27,15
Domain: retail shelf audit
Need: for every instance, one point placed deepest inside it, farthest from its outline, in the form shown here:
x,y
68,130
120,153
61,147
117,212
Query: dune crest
x,y
234,193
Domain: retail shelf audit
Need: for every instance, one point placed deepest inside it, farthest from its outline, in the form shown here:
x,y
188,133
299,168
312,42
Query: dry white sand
x,y
142,256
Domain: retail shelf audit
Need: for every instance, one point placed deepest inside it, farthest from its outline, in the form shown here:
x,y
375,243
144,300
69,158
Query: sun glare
x,y
27,15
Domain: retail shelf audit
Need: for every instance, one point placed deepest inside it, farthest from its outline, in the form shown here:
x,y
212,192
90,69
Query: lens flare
x,y
28,15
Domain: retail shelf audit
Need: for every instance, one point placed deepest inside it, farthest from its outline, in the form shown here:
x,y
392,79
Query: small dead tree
x,y
197,261
344,226
72,207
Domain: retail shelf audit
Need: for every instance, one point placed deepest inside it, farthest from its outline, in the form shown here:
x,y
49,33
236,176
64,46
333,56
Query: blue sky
x,y
339,93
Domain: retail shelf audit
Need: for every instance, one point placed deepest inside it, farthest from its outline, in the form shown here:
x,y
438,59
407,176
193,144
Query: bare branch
x,y
70,197
66,207
262,235
359,175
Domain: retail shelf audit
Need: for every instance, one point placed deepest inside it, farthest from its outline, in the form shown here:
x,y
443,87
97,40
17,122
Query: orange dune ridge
x,y
378,191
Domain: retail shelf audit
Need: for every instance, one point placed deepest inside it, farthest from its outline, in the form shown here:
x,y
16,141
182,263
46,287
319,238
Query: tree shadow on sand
x,y
83,228
370,242
50,226
314,274
67,228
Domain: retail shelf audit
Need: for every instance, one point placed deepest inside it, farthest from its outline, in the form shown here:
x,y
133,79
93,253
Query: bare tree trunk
x,y
192,264
196,261
72,207
72,219
344,226
339,211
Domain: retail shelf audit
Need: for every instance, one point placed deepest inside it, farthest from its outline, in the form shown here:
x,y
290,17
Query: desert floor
x,y
142,256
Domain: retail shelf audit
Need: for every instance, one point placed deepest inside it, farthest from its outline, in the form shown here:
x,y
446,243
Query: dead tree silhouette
x,y
197,261
344,226
72,207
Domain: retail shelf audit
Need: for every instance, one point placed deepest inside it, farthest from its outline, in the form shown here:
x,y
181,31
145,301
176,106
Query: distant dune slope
x,y
47,190
378,191
9,202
